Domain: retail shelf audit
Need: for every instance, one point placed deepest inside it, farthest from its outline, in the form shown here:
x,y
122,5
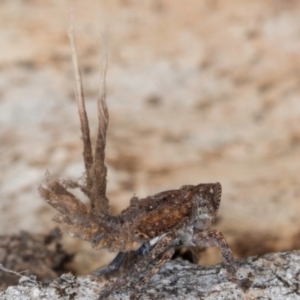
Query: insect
x,y
151,227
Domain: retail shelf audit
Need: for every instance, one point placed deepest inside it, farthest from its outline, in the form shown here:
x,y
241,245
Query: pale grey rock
x,y
275,276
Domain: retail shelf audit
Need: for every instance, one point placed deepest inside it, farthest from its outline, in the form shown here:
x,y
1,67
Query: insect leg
x,y
113,266
159,248
158,264
214,238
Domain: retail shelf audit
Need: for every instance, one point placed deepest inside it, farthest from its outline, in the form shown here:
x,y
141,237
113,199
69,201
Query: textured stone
x,y
275,276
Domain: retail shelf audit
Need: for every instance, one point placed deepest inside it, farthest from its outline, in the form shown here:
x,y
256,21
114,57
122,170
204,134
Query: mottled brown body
x,y
164,213
150,228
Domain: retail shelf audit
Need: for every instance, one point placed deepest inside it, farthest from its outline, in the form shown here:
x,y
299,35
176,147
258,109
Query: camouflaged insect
x,y
151,227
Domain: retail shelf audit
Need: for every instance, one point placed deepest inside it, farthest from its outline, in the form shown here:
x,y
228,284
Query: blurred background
x,y
198,91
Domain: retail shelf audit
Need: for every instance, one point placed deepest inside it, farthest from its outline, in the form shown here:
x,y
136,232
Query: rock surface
x,y
38,255
275,276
